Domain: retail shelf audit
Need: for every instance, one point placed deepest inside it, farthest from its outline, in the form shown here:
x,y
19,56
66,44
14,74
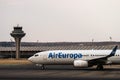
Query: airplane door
x,y
44,57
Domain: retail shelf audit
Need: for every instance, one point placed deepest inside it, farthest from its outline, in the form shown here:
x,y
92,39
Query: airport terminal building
x,y
27,49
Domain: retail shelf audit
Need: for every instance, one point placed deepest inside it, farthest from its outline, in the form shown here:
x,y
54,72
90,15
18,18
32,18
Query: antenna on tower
x,y
17,25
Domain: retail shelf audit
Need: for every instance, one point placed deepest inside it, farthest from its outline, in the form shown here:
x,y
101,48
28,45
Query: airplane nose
x,y
30,59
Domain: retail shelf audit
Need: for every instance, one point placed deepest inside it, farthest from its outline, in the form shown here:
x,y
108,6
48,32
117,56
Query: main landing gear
x,y
99,67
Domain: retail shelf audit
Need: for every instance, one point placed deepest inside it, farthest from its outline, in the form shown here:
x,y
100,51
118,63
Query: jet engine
x,y
80,63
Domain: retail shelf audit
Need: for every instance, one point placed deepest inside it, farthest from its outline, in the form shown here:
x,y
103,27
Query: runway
x,y
57,72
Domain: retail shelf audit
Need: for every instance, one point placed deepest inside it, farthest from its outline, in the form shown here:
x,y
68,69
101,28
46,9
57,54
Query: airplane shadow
x,y
54,67
68,67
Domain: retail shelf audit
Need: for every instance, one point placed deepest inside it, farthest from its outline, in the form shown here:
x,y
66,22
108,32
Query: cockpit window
x,y
36,55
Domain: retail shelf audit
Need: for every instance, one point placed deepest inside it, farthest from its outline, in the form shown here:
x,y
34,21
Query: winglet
x,y
113,51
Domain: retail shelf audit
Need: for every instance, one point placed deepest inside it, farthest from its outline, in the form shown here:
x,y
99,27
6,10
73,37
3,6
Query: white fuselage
x,y
69,56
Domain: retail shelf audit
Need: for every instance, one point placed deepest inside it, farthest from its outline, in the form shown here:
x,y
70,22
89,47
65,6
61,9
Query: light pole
x,y
11,47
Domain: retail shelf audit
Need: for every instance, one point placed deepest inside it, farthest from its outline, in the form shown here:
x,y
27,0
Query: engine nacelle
x,y
80,63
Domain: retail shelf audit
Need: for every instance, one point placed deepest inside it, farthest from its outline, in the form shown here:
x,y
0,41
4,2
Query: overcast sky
x,y
61,20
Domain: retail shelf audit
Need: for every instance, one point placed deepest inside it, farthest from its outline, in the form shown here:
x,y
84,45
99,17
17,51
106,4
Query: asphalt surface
x,y
57,72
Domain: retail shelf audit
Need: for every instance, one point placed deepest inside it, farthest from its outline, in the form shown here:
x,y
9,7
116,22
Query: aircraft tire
x,y
99,67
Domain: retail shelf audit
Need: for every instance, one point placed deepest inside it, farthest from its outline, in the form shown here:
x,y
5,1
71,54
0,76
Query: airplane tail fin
x,y
113,51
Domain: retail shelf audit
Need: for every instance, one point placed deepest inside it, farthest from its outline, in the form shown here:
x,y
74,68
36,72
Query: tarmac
x,y
57,72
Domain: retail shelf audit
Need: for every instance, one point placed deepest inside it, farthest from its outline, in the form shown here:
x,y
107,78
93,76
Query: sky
x,y
61,20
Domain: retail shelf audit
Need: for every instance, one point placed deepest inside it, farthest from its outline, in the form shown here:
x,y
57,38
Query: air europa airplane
x,y
77,58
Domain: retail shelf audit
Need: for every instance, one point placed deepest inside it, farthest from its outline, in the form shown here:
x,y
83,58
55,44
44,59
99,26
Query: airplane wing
x,y
103,60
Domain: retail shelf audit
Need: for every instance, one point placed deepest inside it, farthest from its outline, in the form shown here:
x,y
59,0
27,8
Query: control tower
x,y
17,34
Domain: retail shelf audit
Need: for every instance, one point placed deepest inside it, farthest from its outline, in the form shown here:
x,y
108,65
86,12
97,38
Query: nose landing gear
x,y
41,66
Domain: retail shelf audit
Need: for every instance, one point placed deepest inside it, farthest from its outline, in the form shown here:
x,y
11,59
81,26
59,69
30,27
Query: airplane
x,y
77,58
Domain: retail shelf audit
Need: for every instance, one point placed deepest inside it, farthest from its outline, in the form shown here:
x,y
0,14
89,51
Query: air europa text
x,y
64,55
